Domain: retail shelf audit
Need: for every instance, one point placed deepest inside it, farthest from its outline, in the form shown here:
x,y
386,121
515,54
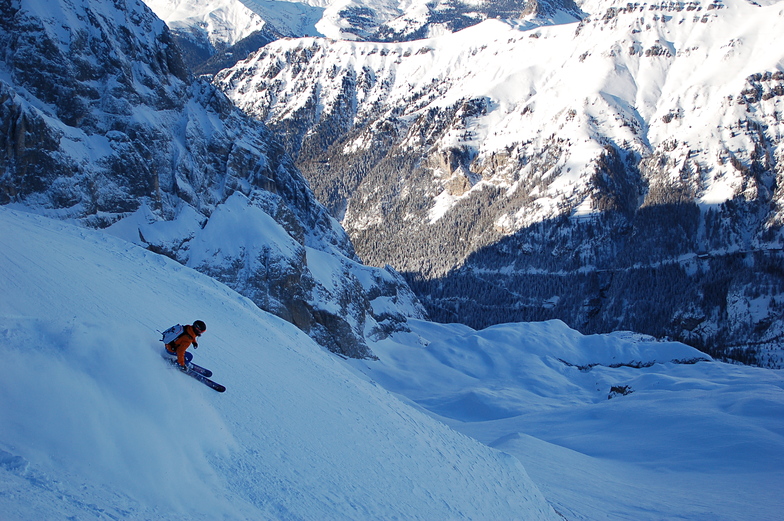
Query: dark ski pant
x,y
173,356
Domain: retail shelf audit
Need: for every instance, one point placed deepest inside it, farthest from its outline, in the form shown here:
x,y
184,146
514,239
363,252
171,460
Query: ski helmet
x,y
200,326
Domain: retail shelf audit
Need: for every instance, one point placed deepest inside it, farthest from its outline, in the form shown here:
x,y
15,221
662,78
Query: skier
x,y
177,347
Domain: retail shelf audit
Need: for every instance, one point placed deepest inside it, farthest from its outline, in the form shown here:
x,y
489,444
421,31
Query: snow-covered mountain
x,y
224,22
404,20
215,34
105,126
374,20
225,31
623,172
134,196
94,425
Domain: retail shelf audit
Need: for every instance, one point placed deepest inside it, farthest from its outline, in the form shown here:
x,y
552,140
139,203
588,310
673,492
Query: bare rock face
x,y
101,123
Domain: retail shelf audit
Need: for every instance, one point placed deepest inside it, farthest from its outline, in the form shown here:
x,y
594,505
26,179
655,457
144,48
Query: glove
x,y
195,344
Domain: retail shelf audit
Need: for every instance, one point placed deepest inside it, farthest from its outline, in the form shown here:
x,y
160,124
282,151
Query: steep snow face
x,y
94,424
613,427
82,436
646,135
107,127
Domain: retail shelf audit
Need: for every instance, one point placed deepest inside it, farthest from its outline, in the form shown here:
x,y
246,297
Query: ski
x,y
196,368
201,370
199,373
206,381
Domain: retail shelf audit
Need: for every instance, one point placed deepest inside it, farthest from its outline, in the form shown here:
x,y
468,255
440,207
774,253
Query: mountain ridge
x,y
228,31
575,138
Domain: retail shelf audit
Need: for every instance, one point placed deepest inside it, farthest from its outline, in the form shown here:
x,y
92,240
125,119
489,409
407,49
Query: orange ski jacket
x,y
182,343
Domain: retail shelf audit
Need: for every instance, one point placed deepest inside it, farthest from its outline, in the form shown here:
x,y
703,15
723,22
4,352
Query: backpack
x,y
172,334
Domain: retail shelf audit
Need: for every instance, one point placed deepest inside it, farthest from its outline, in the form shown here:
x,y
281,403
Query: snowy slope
x,y
675,440
93,425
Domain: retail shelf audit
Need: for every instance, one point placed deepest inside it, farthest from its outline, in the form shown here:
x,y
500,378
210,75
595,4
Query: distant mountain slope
x,y
224,22
104,125
94,425
214,33
406,20
623,172
226,31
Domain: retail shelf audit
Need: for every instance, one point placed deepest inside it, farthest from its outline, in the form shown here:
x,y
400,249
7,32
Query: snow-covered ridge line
x,y
224,22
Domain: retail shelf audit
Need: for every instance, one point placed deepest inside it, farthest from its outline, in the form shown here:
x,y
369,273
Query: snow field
x,y
696,441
